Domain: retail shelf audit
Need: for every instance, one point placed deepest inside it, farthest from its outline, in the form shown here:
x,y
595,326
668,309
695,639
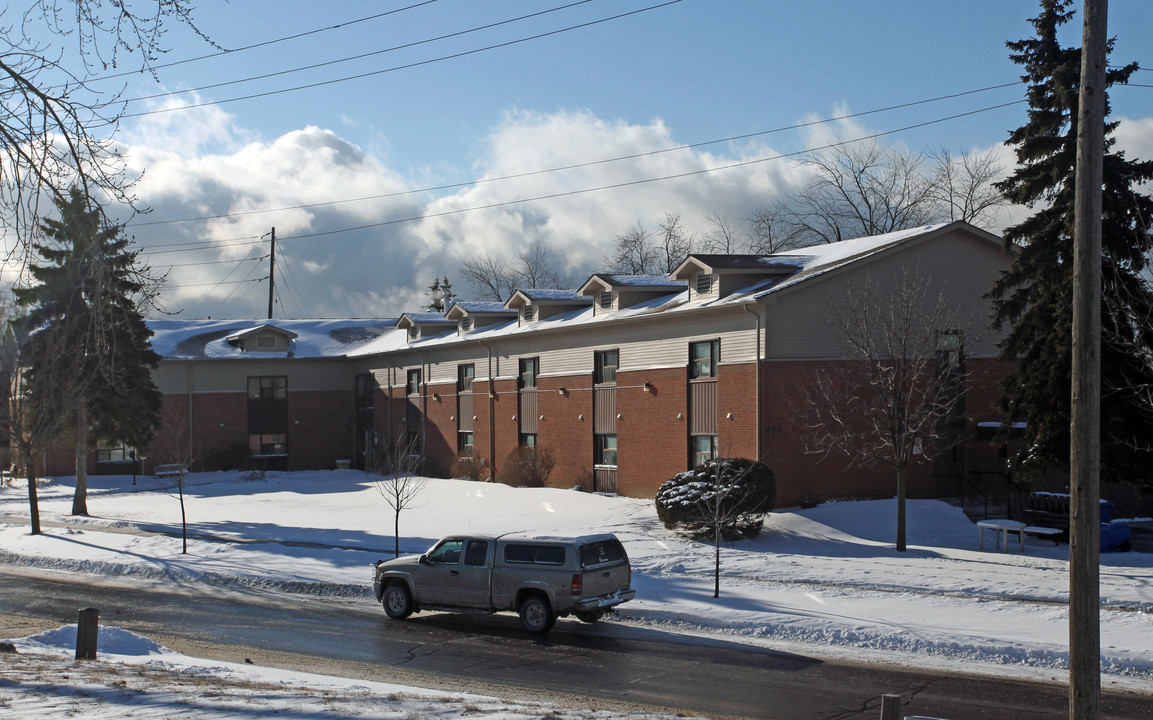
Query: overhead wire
x,y
591,163
274,41
351,58
420,63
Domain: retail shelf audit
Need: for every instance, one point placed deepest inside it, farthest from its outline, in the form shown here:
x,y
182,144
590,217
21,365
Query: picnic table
x,y
1001,530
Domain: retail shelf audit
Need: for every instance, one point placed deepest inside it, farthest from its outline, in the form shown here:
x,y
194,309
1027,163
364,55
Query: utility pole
x,y
271,273
1085,423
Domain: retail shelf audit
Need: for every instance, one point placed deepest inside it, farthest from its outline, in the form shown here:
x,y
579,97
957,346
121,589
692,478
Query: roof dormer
x,y
535,305
617,292
420,325
717,276
474,315
263,338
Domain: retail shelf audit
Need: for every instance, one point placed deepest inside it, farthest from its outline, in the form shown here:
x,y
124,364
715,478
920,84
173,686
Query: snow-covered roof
x,y
539,295
426,317
477,308
194,339
642,281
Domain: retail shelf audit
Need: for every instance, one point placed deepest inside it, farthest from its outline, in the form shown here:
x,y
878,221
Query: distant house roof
x,y
196,339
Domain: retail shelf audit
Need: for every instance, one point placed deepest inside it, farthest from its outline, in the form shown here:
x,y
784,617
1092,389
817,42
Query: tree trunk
x,y
183,516
80,498
33,501
901,491
717,568
396,533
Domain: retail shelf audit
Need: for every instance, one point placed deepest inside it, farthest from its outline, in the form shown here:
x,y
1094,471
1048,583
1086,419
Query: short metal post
x,y
87,632
890,707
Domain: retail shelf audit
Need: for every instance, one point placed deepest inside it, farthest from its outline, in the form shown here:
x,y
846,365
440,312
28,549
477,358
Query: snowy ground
x,y
824,581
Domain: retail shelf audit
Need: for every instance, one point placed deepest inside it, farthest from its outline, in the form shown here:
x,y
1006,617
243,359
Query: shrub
x,y
469,466
230,457
733,494
528,467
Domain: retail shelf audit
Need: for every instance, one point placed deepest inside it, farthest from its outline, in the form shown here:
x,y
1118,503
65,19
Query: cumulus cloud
x,y
201,164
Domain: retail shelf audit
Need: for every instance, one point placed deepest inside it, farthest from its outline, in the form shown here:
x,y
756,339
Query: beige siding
x,y
208,376
800,325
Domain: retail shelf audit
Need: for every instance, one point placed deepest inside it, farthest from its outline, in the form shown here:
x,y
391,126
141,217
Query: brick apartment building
x,y
627,379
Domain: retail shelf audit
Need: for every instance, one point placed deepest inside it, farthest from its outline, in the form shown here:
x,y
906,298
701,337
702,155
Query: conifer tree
x,y
85,299
1033,298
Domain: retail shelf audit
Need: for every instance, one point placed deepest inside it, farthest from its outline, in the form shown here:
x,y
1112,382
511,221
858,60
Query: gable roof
x,y
204,339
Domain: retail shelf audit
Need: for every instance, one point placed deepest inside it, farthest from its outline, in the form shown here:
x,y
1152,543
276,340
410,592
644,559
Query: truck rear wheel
x,y
589,616
536,616
397,601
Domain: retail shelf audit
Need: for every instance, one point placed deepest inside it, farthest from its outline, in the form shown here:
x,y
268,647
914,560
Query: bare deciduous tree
x,y
894,398
394,471
963,186
175,450
56,124
641,252
496,278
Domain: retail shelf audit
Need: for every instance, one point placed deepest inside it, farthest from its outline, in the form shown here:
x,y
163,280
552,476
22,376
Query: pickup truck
x,y
539,577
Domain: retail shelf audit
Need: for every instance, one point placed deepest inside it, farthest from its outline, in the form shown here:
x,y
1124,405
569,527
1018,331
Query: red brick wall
x,y
321,429
567,427
652,442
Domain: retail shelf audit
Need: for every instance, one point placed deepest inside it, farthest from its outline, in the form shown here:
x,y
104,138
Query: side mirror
x,y
423,560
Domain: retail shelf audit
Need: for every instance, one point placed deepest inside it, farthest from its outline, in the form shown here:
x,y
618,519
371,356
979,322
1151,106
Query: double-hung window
x,y
704,357
605,367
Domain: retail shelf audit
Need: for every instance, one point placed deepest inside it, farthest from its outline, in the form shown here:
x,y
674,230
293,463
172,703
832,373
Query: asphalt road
x,y
610,663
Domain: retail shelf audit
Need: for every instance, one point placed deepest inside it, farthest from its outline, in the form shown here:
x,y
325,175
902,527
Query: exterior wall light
x,y
562,391
648,387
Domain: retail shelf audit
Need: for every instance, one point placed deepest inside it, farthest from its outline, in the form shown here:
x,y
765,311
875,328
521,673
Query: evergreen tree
x,y
84,299
1033,298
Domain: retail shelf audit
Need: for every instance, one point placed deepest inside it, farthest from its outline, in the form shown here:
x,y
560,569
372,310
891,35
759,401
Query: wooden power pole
x,y
271,273
1085,423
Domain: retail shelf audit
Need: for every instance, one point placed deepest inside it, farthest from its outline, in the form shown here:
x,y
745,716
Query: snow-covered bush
x,y
527,467
732,494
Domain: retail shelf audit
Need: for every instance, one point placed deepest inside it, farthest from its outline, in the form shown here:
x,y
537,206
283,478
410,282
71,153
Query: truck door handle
x,y
453,572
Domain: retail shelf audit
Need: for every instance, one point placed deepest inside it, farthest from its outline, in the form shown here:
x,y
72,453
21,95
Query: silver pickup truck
x,y
539,577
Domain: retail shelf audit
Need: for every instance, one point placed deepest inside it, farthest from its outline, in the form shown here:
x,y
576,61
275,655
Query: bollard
x,y
87,633
890,707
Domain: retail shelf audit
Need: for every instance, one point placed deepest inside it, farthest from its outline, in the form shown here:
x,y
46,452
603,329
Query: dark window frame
x,y
604,371
412,382
704,366
603,454
267,387
465,376
525,375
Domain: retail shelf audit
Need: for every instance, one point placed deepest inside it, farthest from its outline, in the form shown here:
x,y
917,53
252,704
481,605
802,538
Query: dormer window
x,y
606,300
704,283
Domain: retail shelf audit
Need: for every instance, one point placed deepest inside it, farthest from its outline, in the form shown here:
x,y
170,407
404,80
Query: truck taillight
x,y
577,584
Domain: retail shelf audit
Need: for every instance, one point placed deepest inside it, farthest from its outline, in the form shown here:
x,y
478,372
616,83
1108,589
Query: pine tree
x,y
1033,298
84,299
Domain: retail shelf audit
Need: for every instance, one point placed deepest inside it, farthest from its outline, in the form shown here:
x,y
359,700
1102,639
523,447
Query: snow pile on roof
x,y
195,339
544,294
653,281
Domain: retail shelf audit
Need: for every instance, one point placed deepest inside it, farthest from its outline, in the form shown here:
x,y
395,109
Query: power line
x,y
356,57
360,76
591,163
274,41
645,181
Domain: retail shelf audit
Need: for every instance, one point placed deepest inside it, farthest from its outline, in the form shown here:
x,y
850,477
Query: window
x,y
606,450
602,552
606,300
464,443
948,350
268,444
528,440
704,358
448,552
115,453
464,377
534,554
365,385
267,388
529,367
412,386
476,552
605,366
704,448
704,283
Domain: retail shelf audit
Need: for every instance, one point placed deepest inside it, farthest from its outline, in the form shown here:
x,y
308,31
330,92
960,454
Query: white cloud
x,y
208,166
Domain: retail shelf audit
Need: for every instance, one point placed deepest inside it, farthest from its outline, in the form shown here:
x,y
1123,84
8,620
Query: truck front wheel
x,y
536,616
397,601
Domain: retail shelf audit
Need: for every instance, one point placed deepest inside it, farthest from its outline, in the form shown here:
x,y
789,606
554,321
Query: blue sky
x,y
688,72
